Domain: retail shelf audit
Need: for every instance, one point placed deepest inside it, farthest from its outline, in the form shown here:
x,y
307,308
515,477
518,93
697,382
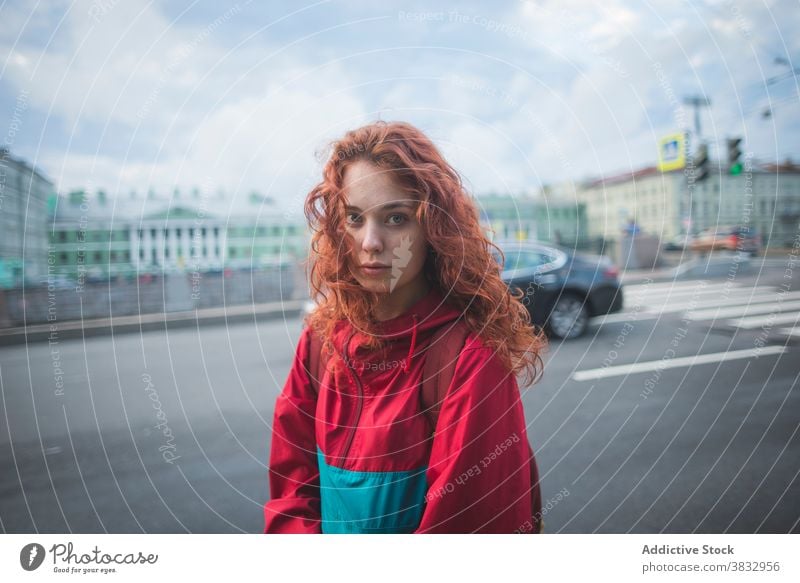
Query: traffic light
x,y
701,163
734,155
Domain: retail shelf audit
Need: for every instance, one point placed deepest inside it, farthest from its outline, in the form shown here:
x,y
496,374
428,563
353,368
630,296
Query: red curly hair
x,y
459,261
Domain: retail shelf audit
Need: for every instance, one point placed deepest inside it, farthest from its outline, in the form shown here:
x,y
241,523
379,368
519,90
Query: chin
x,y
375,286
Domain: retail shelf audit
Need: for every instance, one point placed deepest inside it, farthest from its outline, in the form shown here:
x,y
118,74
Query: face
x,y
381,219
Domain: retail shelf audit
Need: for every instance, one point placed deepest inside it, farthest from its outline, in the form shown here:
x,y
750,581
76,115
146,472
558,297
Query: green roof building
x,y
100,236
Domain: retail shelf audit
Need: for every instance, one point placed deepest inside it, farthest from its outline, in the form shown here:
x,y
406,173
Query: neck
x,y
396,304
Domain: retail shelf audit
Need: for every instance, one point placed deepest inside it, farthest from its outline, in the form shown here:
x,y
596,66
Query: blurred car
x,y
563,288
58,282
678,243
730,238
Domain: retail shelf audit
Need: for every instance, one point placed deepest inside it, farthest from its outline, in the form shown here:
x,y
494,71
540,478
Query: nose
x,y
372,243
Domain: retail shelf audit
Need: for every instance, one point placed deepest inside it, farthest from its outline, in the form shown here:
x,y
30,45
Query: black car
x,y
563,288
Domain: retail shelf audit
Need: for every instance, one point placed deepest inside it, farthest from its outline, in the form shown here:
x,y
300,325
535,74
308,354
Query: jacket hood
x,y
405,333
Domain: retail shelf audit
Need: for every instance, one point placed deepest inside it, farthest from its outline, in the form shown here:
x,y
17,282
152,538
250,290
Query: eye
x,y
397,219
350,220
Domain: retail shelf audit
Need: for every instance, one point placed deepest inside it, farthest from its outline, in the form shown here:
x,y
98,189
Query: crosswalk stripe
x,y
667,286
675,283
712,298
742,310
759,321
653,312
692,292
639,367
623,317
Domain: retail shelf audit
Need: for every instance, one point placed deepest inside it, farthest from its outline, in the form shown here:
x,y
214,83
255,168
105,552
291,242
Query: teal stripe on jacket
x,y
370,502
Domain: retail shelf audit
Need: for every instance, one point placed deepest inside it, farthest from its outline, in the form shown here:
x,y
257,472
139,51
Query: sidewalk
x,y
146,322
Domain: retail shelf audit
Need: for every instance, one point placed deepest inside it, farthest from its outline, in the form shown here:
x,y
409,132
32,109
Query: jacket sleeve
x,y
481,466
294,506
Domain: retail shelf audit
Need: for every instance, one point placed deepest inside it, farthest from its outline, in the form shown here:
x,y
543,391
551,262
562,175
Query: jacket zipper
x,y
359,402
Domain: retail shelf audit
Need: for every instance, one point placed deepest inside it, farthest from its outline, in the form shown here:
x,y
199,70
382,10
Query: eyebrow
x,y
386,207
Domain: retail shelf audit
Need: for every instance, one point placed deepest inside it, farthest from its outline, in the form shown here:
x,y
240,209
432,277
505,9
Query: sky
x,y
242,96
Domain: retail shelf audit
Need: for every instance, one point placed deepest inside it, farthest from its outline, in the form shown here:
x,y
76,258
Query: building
x,y
765,197
24,193
98,236
649,197
777,202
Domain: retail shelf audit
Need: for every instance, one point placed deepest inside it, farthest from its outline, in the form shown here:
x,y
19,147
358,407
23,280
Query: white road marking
x,y
668,285
650,365
682,296
743,310
759,321
653,312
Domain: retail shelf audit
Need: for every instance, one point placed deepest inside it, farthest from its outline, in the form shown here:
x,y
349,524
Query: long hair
x,y
459,260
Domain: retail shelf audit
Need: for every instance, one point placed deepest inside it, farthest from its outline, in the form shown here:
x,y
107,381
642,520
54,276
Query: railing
x,y
124,296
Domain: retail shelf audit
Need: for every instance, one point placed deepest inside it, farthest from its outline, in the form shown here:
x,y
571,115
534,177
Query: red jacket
x,y
358,458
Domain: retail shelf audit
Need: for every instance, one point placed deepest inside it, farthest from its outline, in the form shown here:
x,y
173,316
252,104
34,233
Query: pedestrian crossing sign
x,y
672,152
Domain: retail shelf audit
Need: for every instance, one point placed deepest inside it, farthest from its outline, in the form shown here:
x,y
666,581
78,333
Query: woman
x,y
399,260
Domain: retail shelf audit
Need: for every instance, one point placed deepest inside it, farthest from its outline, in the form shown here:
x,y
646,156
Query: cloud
x,y
265,144
528,93
194,110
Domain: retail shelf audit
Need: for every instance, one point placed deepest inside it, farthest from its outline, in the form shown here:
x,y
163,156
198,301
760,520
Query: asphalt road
x,y
169,431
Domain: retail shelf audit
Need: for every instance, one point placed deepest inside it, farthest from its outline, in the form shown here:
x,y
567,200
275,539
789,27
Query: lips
x,y
375,269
